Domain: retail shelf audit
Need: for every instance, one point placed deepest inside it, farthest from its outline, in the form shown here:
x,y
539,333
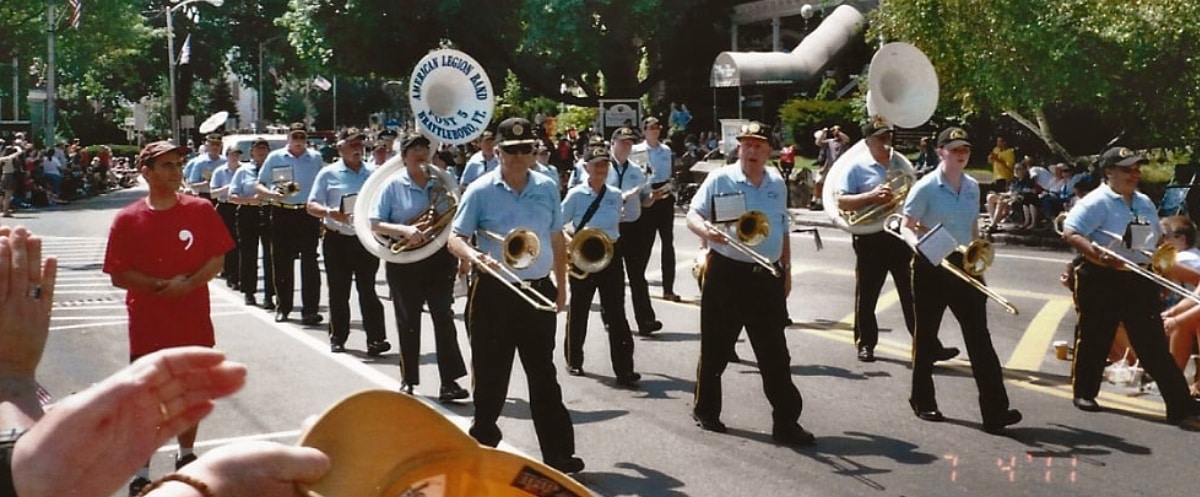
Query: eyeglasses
x,y
522,149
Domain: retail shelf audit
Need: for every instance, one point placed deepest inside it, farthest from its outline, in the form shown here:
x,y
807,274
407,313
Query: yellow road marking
x,y
1031,350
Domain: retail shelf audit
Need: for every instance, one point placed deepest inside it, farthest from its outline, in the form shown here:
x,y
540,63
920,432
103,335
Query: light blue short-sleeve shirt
x,y
334,182
770,198
548,170
304,171
660,159
221,177
932,201
625,177
866,174
578,176
1103,215
402,199
490,204
478,166
607,216
201,169
243,181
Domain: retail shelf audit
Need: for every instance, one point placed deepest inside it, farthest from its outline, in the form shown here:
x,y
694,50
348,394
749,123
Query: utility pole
x,y
50,91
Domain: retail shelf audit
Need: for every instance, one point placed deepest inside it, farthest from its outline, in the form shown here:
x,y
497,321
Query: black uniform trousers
x,y
254,229
635,251
1106,297
934,290
503,324
611,283
877,255
740,294
345,260
294,235
660,219
231,269
413,285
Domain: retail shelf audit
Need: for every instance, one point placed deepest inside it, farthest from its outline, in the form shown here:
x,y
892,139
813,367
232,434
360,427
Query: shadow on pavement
x,y
647,482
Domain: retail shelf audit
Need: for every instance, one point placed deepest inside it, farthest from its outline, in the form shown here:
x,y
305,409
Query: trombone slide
x,y
1148,274
521,287
744,248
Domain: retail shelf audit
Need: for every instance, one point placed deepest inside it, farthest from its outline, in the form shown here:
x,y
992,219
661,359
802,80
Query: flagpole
x,y
335,102
50,90
171,75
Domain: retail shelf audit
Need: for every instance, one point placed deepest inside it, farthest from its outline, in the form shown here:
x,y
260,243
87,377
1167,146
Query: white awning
x,y
801,65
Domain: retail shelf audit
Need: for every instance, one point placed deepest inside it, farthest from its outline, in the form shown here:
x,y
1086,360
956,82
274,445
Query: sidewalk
x,y
1048,240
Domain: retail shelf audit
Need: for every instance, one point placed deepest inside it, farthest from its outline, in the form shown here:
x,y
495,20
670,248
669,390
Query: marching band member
x,y
253,228
501,323
294,233
345,257
427,281
200,169
598,205
630,179
386,139
481,162
1113,214
542,162
880,253
949,197
739,293
659,217
219,188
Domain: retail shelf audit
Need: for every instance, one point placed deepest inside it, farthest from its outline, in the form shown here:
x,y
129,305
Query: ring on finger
x,y
35,292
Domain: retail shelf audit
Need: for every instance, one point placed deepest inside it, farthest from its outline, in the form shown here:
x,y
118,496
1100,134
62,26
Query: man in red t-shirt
x,y
163,250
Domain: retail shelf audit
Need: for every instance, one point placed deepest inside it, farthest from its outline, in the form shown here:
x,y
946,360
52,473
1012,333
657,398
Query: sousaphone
x,y
452,101
902,90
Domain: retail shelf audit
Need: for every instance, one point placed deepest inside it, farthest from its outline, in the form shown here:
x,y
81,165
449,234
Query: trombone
x,y
1161,261
521,248
752,228
590,250
977,257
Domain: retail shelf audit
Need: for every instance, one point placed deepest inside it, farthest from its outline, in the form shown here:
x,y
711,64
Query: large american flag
x,y
76,12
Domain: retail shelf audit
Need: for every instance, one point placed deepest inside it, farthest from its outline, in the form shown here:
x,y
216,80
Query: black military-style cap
x,y
515,131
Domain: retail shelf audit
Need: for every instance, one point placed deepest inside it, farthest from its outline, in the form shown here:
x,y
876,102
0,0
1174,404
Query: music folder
x,y
281,174
728,207
348,202
937,244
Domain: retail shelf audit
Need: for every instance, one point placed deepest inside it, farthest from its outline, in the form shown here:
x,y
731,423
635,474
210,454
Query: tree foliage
x,y
1132,64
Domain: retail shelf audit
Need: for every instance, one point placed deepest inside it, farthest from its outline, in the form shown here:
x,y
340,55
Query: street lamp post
x,y
171,59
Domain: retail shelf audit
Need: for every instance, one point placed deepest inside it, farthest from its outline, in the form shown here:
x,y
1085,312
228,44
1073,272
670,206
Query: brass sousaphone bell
x,y
902,91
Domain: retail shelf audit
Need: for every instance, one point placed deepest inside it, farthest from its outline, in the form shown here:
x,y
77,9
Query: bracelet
x,y
185,479
8,440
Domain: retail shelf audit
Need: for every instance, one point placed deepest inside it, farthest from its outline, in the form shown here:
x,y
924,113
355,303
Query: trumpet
x,y
521,247
977,258
752,228
590,250
287,188
899,181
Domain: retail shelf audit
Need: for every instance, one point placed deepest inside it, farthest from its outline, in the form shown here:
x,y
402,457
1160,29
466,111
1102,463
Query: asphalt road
x,y
642,442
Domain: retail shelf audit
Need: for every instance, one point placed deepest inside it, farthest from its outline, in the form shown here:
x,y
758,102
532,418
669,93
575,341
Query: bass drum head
x,y
369,197
835,181
451,97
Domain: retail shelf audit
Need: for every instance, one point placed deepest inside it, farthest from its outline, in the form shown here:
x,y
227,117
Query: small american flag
x,y
76,12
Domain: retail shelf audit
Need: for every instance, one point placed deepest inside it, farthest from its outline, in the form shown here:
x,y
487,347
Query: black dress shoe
x,y
568,465
931,415
710,424
946,354
671,296
250,300
629,380
281,317
337,348
313,319
1088,405
268,305
645,329
406,388
1009,418
793,434
575,370
451,392
866,355
374,349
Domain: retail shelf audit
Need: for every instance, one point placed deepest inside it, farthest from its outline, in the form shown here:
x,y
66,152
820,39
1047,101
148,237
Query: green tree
x,y
1132,64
